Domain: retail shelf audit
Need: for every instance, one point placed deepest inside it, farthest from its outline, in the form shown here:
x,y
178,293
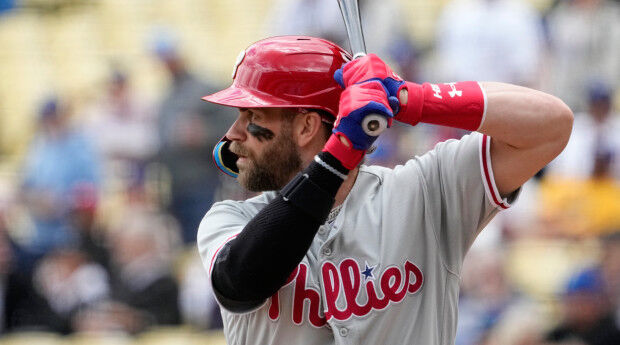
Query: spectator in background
x,y
189,128
90,237
69,282
584,43
59,158
595,133
144,291
587,315
122,126
497,40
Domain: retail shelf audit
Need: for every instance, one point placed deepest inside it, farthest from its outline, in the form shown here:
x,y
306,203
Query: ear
x,y
306,127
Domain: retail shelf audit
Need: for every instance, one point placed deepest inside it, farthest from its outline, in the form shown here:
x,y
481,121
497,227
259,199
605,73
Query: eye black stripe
x,y
259,132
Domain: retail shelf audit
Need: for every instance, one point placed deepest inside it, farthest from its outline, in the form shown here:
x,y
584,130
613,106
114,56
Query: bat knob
x,y
374,124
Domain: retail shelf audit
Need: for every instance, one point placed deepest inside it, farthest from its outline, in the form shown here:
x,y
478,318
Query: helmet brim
x,y
247,98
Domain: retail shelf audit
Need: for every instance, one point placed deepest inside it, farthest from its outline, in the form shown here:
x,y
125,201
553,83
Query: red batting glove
x,y
350,140
366,68
371,67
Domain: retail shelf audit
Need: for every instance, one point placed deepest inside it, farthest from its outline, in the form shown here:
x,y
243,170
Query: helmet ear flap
x,y
225,160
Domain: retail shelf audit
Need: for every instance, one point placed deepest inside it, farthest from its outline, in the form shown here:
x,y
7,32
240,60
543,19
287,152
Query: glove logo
x,y
454,91
437,91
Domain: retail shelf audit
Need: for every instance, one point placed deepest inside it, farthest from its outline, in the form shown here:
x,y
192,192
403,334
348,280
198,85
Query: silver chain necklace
x,y
333,214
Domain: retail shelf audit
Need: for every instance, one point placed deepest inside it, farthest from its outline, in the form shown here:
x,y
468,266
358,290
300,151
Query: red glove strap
x,y
411,112
348,156
459,105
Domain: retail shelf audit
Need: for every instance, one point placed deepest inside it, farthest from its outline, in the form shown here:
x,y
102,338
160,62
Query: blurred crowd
x,y
98,232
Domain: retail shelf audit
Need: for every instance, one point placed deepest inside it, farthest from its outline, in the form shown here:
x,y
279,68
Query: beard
x,y
279,161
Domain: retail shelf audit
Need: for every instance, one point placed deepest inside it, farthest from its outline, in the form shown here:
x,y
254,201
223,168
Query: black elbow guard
x,y
307,196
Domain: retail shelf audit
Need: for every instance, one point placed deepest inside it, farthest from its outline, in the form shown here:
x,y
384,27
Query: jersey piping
x,y
487,174
218,250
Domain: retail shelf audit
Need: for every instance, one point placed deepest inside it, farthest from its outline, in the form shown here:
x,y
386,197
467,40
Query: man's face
x,y
268,155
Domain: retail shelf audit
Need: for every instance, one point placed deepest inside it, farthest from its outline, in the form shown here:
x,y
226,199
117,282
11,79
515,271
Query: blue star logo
x,y
367,272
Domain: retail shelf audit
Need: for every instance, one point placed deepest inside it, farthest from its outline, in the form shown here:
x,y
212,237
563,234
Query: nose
x,y
237,132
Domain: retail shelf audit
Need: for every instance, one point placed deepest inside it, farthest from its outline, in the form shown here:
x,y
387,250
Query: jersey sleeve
x,y
221,224
460,193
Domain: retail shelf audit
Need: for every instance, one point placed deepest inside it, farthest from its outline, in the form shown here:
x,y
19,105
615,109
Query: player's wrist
x,y
314,189
332,164
327,172
342,150
458,105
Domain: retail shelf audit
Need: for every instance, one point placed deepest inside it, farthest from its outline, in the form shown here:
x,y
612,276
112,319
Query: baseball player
x,y
337,252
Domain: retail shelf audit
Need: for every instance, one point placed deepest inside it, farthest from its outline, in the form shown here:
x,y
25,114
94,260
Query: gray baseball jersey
x,y
386,270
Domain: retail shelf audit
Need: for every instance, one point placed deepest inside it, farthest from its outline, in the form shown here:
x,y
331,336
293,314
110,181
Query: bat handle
x,y
372,124
352,21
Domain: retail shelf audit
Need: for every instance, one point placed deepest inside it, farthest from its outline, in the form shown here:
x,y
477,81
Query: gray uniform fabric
x,y
386,271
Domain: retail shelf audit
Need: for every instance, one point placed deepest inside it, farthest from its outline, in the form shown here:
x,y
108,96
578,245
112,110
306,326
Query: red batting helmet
x,y
281,72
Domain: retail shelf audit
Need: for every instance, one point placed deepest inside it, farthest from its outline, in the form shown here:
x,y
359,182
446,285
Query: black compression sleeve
x,y
257,263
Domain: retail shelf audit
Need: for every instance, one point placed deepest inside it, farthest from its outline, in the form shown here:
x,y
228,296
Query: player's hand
x,y
371,67
359,104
